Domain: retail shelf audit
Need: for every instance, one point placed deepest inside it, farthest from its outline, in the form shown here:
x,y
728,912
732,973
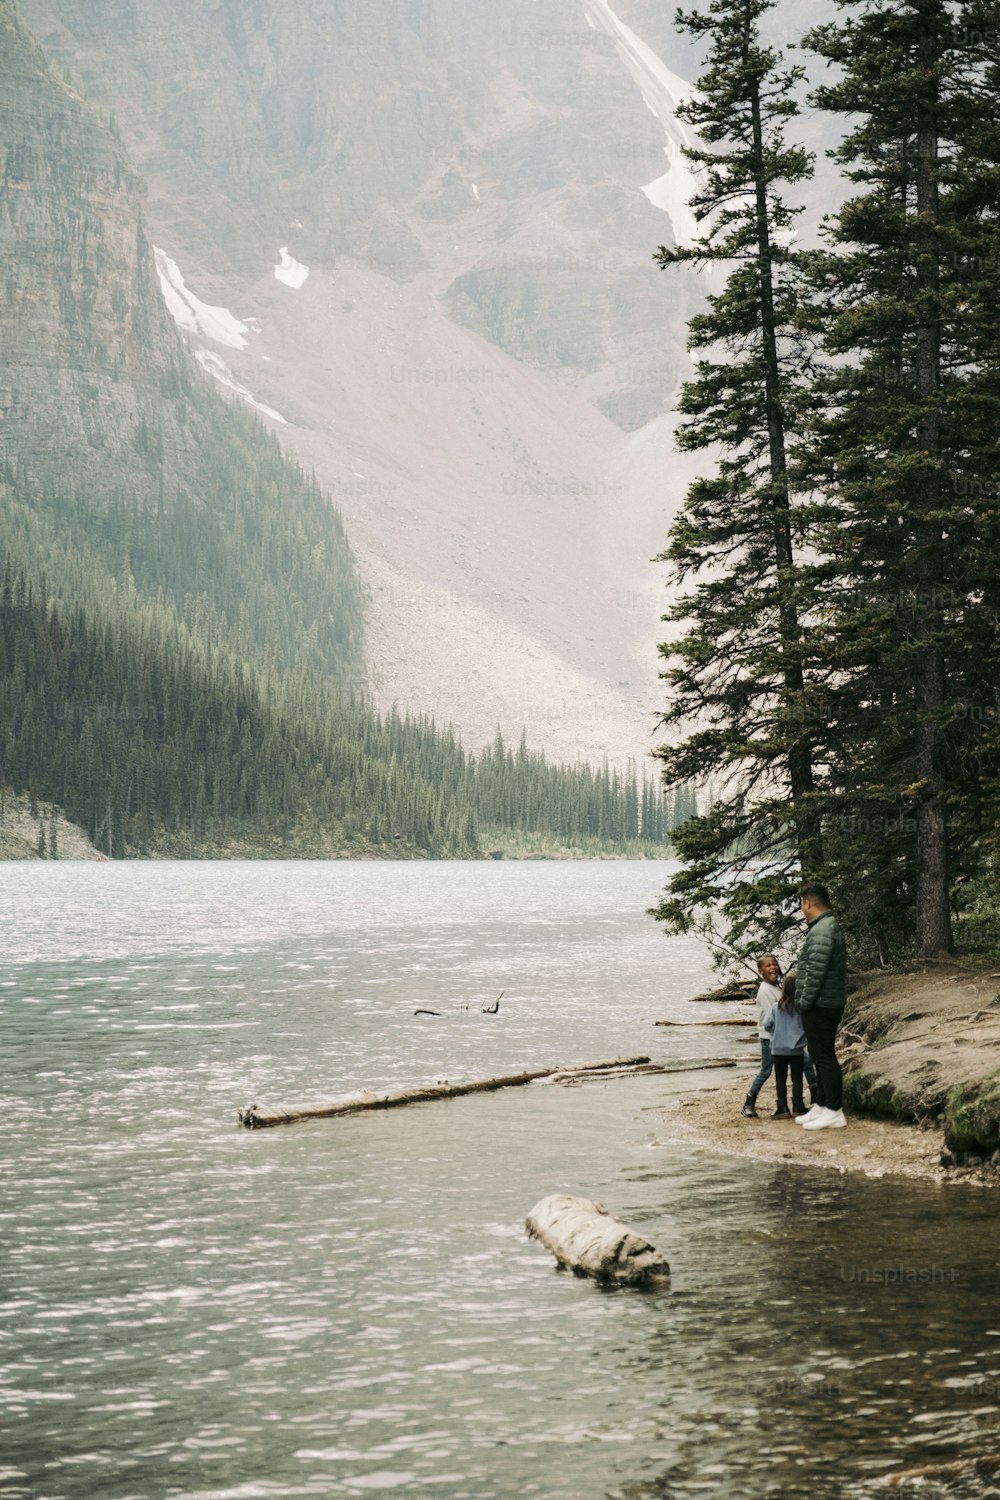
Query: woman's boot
x,y
748,1111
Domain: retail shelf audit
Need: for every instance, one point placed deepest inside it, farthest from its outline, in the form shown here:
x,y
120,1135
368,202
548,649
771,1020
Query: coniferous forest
x,y
838,664
153,742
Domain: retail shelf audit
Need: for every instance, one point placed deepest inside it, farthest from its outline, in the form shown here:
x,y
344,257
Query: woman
x,y
769,993
783,1024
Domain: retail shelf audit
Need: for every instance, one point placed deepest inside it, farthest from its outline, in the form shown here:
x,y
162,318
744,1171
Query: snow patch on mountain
x,y
662,91
290,271
193,315
214,365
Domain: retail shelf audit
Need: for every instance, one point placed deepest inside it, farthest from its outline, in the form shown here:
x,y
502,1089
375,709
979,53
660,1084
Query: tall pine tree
x,y
738,695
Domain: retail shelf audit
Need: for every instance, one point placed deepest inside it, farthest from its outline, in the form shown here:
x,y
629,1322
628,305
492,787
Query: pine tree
x,y
737,688
907,452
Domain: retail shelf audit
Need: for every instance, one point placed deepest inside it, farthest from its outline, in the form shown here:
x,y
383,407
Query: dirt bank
x,y
928,1048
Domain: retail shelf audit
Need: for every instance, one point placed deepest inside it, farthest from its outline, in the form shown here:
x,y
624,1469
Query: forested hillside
x,y
124,471
250,556
152,741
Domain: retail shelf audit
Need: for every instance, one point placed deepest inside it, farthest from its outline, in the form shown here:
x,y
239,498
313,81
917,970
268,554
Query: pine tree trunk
x,y
800,771
933,916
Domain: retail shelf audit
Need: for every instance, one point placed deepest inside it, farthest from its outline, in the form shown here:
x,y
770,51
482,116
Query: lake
x,y
351,1307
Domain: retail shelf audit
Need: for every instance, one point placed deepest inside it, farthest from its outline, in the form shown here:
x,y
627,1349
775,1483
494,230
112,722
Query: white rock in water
x,y
583,1236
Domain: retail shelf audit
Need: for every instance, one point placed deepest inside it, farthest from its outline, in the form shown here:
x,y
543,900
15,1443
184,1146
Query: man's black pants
x,y
821,1029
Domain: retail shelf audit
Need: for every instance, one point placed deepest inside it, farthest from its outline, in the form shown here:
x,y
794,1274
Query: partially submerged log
x,y
736,989
584,1237
729,1021
352,1104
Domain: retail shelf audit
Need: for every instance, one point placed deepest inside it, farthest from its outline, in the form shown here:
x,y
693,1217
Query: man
x,y
820,995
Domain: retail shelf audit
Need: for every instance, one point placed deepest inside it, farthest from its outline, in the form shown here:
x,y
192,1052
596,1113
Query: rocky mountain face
x,y
85,332
126,478
389,134
417,235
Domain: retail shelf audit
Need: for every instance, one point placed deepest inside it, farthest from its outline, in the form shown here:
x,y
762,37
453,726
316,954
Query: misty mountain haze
x,y
427,231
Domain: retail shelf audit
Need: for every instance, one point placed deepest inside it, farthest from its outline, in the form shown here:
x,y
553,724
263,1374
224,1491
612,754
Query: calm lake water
x,y
351,1307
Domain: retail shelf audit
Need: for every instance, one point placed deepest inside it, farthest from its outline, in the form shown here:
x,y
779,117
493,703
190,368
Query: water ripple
x,y
196,1312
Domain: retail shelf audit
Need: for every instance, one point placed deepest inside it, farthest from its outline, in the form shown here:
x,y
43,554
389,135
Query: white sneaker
x,y
810,1114
827,1119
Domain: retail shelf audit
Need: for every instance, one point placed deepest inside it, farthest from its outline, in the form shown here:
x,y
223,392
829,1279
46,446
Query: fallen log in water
x,y
728,1021
583,1236
352,1104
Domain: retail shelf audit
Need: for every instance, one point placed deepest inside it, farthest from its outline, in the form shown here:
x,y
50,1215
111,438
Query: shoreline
x,y
710,1117
921,1055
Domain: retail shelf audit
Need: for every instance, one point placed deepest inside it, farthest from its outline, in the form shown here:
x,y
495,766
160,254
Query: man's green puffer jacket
x,y
821,972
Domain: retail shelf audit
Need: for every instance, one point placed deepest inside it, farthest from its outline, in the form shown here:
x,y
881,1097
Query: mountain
x,y
180,622
418,237
479,363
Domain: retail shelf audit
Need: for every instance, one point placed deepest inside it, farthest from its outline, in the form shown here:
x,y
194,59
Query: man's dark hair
x,y
815,892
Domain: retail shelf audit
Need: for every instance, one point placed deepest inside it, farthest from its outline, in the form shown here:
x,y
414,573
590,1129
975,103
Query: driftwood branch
x,y
736,989
984,1466
484,1010
594,1075
583,1236
352,1104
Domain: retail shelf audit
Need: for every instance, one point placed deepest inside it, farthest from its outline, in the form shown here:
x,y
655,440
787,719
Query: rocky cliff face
x,y
123,473
85,332
388,135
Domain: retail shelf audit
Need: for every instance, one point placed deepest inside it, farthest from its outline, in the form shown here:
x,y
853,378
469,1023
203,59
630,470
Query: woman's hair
x,y
787,1001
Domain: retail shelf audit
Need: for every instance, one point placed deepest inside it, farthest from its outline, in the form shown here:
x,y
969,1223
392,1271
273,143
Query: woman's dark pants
x,y
767,1064
782,1065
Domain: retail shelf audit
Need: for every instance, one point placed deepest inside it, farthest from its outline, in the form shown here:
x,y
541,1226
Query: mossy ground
x,y
971,1116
